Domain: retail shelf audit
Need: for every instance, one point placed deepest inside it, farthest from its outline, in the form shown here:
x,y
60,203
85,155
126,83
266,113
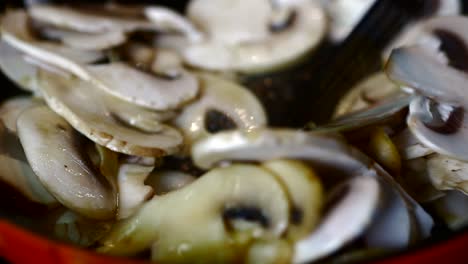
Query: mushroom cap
x,y
144,89
379,113
237,103
306,195
54,151
132,190
448,137
344,222
417,68
15,31
173,21
15,169
265,144
86,41
224,193
70,18
67,96
239,40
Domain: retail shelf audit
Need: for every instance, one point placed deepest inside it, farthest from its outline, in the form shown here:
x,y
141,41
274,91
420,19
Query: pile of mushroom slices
x,y
132,152
419,112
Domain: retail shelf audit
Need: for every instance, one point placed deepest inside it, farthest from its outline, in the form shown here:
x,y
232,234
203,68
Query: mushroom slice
x,y
223,105
132,190
234,213
372,90
419,69
163,182
253,36
441,127
447,173
16,68
344,222
15,31
65,17
15,169
67,96
86,41
172,21
148,90
380,113
266,144
306,192
422,32
53,149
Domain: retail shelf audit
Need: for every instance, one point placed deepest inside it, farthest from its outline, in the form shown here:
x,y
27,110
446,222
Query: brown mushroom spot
x,y
454,48
216,121
444,119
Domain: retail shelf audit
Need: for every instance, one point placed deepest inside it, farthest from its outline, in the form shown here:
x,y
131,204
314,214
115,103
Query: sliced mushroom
x,y
15,31
440,127
421,70
266,144
378,114
447,173
16,68
148,90
370,91
67,96
250,36
132,190
223,105
164,182
79,20
86,41
172,21
15,170
54,151
306,194
234,214
422,31
344,222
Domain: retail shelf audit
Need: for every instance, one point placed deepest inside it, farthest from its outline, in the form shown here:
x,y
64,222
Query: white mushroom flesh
x,y
344,222
144,89
266,144
241,41
161,222
132,190
90,23
54,151
15,169
440,127
234,101
67,95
